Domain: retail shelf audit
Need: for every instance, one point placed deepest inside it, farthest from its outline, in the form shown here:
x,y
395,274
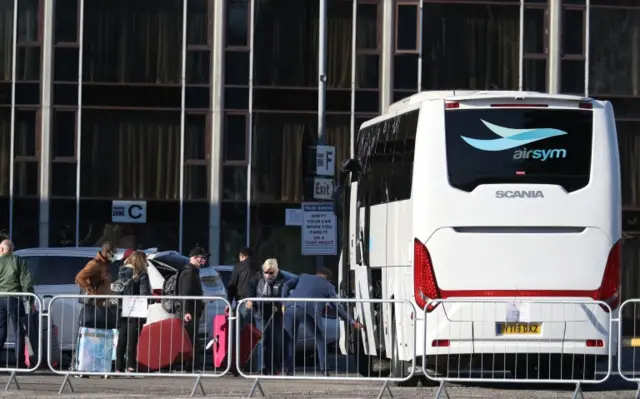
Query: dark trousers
x,y
271,344
193,330
293,317
128,335
11,308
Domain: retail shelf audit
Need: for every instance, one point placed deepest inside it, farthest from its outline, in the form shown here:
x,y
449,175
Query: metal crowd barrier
x,y
22,355
629,343
287,336
517,341
164,346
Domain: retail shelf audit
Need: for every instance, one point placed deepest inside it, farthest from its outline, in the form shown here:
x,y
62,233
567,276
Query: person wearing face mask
x,y
267,316
189,284
95,277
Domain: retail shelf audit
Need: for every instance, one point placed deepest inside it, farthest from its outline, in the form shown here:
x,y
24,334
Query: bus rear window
x,y
493,146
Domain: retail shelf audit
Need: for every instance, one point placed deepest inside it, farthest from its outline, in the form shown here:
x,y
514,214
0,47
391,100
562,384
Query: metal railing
x,y
165,345
517,341
294,328
453,341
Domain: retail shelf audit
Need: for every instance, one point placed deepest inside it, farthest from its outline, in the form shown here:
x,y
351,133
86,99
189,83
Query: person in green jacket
x,y
14,277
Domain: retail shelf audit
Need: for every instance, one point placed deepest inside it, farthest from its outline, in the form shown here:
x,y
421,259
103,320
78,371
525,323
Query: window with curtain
x,y
629,146
470,46
130,154
614,58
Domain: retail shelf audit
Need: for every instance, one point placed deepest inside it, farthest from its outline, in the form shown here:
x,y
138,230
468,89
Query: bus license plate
x,y
518,328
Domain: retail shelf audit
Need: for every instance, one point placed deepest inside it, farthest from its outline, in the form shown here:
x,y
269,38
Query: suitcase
x,y
249,338
163,344
95,350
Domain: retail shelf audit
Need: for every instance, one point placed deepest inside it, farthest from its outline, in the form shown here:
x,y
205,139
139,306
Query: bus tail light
x,y
424,279
451,105
609,291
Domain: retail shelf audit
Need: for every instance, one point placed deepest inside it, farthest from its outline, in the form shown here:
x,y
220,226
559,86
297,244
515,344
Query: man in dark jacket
x,y
239,286
14,277
310,313
189,284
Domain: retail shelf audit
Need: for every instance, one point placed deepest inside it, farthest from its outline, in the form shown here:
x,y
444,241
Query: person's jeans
x,y
293,317
11,308
128,335
193,330
269,348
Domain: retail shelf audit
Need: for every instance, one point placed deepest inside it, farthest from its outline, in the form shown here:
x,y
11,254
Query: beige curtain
x,y
131,154
133,42
470,46
6,40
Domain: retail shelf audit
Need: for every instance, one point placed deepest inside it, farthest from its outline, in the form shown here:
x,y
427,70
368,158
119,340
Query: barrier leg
x,y
442,391
385,388
66,382
13,378
256,385
638,391
198,384
577,394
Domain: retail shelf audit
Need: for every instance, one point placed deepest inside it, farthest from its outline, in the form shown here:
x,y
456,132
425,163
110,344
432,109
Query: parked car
x,y
54,271
305,341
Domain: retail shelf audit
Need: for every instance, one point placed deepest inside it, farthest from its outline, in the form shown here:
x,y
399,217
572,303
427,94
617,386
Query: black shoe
x,y
325,373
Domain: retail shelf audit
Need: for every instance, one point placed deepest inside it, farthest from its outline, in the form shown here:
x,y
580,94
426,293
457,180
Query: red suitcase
x,y
249,338
163,344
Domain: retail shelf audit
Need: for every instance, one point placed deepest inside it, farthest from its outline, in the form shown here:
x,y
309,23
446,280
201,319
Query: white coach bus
x,y
482,195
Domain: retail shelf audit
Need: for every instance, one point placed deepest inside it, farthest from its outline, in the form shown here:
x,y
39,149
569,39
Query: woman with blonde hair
x,y
134,277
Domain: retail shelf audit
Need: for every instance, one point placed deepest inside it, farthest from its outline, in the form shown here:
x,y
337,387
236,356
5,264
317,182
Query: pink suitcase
x,y
220,336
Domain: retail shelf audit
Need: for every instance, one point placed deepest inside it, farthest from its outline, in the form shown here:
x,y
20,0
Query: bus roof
x,y
464,95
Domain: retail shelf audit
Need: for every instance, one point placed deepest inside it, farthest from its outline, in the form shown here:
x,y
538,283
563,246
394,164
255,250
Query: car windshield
x,y
55,270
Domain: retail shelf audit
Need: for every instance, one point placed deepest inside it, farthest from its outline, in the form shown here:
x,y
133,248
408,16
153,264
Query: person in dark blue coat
x,y
310,286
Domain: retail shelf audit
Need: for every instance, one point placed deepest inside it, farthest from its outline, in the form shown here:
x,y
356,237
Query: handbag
x,y
101,317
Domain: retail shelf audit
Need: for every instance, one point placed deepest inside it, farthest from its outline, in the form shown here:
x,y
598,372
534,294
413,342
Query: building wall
x,y
100,105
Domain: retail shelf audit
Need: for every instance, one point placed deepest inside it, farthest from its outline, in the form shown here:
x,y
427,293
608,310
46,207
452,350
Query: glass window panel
x,y
64,134
535,75
237,22
65,64
233,226
573,31
405,72
367,101
235,138
572,77
27,21
26,222
28,63
198,67
6,40
236,70
161,230
65,94
25,137
62,223
368,71
125,43
25,179
195,140
131,154
614,58
234,183
367,33
236,98
197,22
63,179
5,151
407,27
535,32
195,228
470,46
66,20
196,182
27,93
629,147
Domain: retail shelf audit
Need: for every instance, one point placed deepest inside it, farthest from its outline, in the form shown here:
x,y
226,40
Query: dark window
x,y
367,33
64,134
563,159
235,138
62,222
197,22
573,32
405,72
535,75
66,21
470,46
236,70
386,151
55,270
572,76
407,28
195,228
26,225
535,32
237,22
233,230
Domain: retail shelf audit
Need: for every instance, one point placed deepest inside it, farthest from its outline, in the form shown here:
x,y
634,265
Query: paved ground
x,y
45,385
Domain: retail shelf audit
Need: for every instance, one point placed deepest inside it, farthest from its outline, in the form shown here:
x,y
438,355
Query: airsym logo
x,y
512,138
520,194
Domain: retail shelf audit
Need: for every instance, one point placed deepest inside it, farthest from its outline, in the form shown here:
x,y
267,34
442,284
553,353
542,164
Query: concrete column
x,y
45,122
217,119
555,46
386,62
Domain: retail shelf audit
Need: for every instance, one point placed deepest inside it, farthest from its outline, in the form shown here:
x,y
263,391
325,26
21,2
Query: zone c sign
x,y
129,211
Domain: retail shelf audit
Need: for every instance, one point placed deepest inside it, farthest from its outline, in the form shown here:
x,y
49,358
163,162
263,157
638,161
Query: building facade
x,y
205,108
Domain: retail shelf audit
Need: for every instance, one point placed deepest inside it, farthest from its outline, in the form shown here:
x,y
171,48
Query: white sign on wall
x,y
323,188
129,211
319,233
325,160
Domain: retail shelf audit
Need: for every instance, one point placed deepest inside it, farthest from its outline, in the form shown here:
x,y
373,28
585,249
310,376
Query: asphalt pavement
x,y
46,385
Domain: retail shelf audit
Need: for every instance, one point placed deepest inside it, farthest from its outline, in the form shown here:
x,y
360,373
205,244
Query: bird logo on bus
x,y
514,138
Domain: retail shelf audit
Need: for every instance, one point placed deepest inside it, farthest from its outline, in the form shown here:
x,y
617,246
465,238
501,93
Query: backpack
x,y
122,286
170,288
